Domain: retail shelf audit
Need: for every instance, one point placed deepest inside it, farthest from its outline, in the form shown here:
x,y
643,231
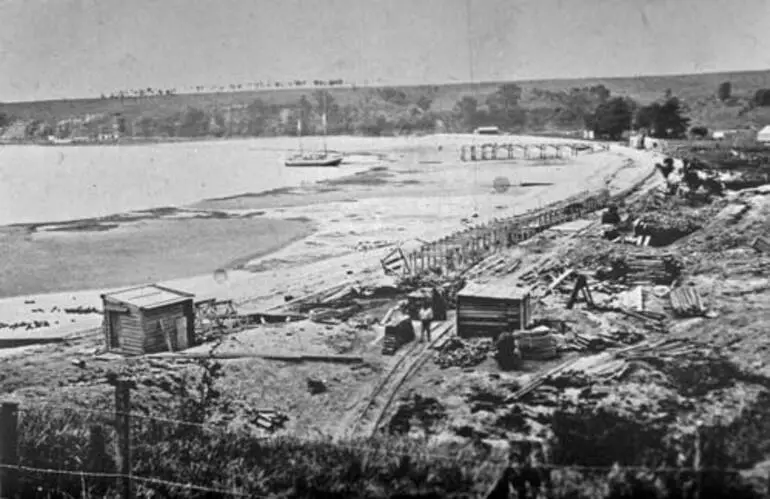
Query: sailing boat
x,y
313,158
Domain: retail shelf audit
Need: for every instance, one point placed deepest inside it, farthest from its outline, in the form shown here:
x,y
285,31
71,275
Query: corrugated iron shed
x,y
148,297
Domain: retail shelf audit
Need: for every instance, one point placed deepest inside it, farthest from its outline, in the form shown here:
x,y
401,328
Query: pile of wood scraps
x,y
270,420
686,302
651,320
495,265
666,348
762,245
610,365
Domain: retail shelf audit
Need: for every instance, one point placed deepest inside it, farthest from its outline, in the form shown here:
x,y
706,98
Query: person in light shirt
x,y
426,316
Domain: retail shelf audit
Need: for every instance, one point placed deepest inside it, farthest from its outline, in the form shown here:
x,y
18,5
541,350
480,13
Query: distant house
x,y
721,134
148,319
487,130
764,135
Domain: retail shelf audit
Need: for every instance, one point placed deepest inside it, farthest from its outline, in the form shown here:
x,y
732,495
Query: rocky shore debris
x,y
27,325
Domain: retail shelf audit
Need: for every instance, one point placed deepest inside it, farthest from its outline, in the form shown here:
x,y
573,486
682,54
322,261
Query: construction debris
x,y
508,355
686,302
643,268
334,315
398,332
761,244
316,386
457,352
270,420
419,411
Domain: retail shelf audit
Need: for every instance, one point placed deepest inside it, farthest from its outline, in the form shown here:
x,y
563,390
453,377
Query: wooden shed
x,y
148,319
491,309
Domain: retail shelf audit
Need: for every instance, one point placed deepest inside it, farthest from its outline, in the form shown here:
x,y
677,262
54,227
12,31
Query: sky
x,y
81,48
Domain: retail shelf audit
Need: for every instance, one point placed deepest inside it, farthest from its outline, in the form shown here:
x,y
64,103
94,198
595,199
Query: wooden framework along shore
x,y
469,246
148,319
510,151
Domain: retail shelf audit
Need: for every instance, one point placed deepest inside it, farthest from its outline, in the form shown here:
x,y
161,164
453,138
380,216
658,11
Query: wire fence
x,y
75,453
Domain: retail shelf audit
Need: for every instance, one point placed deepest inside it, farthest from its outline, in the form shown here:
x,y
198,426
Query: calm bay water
x,y
58,183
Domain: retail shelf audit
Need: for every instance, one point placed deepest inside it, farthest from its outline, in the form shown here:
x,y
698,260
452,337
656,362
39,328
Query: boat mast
x,y
323,118
299,133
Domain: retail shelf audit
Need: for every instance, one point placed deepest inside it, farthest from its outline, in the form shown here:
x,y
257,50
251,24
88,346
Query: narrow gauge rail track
x,y
379,401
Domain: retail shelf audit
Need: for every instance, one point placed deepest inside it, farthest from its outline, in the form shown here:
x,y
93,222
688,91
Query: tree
x,y
305,111
466,110
601,92
393,95
612,118
257,113
504,105
505,99
762,97
192,123
424,102
724,91
672,123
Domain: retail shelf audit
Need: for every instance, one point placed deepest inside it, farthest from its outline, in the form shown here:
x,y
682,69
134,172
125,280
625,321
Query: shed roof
x,y
502,291
149,296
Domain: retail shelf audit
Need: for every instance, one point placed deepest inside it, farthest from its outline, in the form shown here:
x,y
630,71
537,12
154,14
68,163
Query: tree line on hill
x,y
392,111
232,87
396,111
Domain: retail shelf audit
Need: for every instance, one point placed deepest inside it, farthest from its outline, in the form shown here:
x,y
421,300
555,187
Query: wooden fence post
x,y
9,419
123,440
97,451
697,463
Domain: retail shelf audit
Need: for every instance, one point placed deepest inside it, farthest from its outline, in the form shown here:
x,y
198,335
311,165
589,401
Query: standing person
x,y
426,316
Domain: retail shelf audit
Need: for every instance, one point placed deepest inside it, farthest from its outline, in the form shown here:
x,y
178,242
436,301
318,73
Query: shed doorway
x,y
115,330
181,333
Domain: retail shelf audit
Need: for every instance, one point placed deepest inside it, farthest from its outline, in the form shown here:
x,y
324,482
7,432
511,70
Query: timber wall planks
x,y
155,339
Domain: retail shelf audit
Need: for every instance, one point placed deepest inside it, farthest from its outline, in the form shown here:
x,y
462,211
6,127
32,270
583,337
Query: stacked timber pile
x,y
643,268
491,309
686,302
463,353
537,344
595,342
398,332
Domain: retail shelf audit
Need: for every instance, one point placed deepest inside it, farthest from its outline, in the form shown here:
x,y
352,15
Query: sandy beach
x,y
297,237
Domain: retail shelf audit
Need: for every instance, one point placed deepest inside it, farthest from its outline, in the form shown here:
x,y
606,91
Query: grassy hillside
x,y
370,110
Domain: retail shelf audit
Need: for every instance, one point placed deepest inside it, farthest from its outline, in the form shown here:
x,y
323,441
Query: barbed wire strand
x,y
515,466
348,446
277,438
115,476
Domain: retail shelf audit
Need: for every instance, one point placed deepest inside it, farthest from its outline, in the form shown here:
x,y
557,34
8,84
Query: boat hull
x,y
329,162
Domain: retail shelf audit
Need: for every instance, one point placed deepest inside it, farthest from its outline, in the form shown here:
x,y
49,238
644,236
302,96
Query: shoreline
x,y
351,225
